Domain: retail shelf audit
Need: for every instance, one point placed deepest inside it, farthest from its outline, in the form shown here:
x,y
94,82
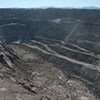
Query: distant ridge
x,y
91,7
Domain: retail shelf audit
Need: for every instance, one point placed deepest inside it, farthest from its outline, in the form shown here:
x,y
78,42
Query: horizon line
x,y
84,7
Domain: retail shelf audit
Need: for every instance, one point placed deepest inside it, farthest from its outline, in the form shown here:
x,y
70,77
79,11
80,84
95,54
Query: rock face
x,y
50,76
39,72
50,54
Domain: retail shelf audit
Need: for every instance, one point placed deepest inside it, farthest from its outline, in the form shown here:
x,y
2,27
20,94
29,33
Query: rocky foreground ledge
x,y
37,71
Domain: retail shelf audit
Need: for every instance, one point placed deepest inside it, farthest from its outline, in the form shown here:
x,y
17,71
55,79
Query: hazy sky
x,y
47,3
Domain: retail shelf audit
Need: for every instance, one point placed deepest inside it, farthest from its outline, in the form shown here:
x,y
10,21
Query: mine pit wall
x,y
89,75
76,55
93,47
